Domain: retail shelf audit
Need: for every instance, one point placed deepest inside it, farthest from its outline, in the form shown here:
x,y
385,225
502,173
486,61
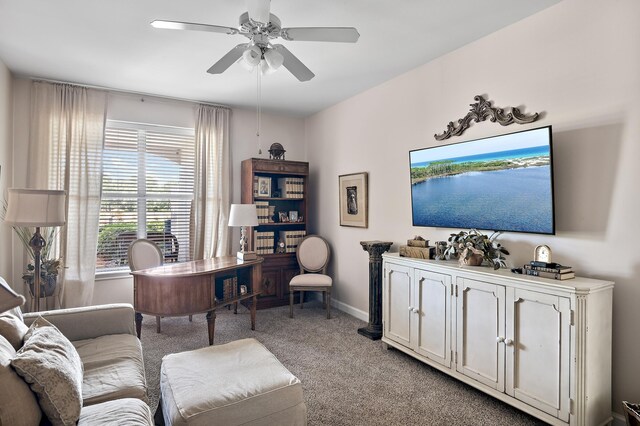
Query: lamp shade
x,y
274,59
252,55
243,215
9,299
35,207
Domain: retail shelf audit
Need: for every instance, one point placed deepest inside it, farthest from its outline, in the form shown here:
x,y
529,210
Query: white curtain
x,y
65,152
210,213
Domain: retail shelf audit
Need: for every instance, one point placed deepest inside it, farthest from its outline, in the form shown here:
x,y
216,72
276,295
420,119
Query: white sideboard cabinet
x,y
543,346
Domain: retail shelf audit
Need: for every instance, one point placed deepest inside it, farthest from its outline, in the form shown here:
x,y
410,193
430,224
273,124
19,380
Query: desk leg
x,y
138,323
254,304
211,322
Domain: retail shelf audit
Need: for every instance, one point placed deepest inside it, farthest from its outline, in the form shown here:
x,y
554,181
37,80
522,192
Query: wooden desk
x,y
181,289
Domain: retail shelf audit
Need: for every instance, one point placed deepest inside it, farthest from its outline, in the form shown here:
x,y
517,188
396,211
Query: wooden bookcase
x,y
278,268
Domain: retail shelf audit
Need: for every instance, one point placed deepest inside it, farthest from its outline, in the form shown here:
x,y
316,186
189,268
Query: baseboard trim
x,y
618,419
354,312
341,306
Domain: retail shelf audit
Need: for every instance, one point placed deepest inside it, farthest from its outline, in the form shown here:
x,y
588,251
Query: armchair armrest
x,y
90,321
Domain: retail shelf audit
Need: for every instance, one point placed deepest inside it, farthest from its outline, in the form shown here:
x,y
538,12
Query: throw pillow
x,y
18,405
51,365
12,329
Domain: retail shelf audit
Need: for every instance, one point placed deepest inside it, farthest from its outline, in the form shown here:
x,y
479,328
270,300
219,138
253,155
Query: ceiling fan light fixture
x,y
259,10
265,68
252,55
274,59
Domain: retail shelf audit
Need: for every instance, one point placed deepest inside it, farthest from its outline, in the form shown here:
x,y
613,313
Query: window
x,y
147,191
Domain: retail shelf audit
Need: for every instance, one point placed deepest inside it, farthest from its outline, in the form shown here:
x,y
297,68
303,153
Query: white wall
x,y
579,63
6,168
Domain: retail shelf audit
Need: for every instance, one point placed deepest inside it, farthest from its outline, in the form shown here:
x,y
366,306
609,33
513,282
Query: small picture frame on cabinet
x,y
293,216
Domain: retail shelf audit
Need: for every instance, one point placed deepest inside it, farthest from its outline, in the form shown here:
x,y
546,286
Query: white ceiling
x,y
111,44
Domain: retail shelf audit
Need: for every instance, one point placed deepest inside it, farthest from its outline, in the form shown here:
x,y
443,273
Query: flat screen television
x,y
500,183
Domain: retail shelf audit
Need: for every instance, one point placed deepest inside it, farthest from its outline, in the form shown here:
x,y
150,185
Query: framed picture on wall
x,y
354,205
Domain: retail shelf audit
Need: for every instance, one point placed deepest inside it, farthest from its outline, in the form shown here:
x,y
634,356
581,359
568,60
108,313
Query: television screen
x,y
501,183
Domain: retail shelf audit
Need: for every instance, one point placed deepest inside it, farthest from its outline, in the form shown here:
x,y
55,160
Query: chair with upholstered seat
x,y
144,254
313,257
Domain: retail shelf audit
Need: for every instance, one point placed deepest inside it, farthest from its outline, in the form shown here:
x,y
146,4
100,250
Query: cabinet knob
x,y
410,308
500,339
415,310
508,342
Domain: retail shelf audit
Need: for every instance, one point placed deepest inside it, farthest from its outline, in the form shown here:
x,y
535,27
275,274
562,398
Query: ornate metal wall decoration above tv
x,y
501,183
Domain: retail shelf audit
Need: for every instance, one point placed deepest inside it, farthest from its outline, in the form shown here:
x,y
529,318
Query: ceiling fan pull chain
x,y
258,107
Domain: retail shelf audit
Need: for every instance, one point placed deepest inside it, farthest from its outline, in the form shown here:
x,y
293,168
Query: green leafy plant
x,y
466,244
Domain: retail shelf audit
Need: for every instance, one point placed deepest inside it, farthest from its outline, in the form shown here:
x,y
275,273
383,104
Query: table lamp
x,y
38,208
244,215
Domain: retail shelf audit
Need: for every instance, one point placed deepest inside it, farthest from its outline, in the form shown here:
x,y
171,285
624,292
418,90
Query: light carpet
x,y
347,379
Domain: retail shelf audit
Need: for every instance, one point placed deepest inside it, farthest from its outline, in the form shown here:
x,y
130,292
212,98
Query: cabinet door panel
x,y
538,361
432,298
397,300
480,322
270,281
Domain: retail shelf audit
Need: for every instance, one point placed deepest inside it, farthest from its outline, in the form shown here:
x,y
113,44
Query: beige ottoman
x,y
239,383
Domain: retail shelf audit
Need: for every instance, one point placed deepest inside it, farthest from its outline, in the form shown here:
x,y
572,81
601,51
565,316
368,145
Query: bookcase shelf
x,y
277,268
277,199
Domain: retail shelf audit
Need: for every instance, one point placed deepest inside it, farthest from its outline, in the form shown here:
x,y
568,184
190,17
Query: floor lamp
x,y
37,208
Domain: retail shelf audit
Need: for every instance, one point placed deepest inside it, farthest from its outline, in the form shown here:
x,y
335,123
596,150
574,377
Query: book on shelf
x,y
560,269
262,208
226,289
551,265
263,242
291,239
552,275
291,187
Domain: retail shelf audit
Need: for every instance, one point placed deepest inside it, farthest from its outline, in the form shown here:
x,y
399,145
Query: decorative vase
x,y
473,260
47,284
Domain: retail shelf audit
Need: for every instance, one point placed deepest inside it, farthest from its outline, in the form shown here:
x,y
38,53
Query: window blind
x,y
147,191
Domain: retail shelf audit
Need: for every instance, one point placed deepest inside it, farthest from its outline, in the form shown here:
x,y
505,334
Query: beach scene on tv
x,y
503,183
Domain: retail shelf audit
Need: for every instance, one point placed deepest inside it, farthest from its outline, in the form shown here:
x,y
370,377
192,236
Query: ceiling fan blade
x,y
293,64
259,10
228,59
175,25
339,34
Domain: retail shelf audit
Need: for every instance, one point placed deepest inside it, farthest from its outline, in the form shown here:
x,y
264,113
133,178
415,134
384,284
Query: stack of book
x,y
291,187
292,239
548,270
263,211
263,242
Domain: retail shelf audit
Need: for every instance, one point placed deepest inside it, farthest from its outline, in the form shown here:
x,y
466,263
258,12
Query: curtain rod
x,y
109,89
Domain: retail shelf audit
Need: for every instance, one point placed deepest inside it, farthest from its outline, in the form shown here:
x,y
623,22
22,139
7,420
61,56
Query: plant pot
x,y
473,260
47,284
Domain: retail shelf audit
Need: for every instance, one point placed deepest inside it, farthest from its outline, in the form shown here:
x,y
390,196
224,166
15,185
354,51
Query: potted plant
x,y
473,247
49,268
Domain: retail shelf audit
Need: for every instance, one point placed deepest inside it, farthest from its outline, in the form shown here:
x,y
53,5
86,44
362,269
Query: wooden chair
x,y
143,254
313,257
631,413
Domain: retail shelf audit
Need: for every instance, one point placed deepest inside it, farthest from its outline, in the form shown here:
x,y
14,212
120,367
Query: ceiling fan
x,y
261,27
